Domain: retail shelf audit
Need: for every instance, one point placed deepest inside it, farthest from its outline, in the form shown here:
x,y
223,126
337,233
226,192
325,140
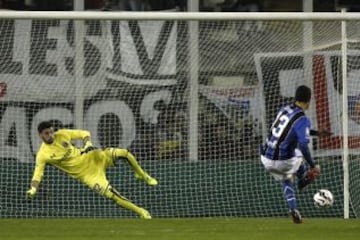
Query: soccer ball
x,y
323,198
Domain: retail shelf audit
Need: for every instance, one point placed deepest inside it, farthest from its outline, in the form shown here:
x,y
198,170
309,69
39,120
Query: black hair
x,y
303,94
44,125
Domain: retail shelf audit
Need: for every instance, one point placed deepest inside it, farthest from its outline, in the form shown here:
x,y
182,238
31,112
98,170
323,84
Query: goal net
x,y
193,112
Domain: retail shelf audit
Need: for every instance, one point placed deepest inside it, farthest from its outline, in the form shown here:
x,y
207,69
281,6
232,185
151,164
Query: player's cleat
x,y
145,214
310,177
147,178
296,216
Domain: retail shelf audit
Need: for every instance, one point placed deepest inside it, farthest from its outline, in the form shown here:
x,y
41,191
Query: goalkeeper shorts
x,y
94,176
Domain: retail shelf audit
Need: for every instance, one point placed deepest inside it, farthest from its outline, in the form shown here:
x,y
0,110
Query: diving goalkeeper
x,y
87,164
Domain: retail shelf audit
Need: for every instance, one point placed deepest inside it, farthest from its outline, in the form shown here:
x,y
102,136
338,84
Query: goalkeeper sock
x,y
131,160
289,194
122,201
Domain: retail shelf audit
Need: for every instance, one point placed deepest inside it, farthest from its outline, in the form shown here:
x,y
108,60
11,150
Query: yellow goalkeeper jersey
x,y
61,154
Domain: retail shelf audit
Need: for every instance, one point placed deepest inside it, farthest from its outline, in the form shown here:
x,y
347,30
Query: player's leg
x,y
285,171
289,194
301,176
294,166
129,158
111,193
306,176
100,184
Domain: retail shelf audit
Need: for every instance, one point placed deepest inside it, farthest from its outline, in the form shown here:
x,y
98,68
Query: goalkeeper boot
x,y
147,178
296,216
145,214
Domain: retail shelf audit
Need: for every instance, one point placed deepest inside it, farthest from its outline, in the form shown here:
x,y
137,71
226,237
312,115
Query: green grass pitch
x,y
182,228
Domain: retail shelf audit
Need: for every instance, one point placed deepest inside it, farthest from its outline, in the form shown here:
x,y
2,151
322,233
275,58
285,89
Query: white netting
x,y
135,93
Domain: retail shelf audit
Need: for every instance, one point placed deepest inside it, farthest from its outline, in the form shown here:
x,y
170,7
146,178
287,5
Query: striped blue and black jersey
x,y
290,130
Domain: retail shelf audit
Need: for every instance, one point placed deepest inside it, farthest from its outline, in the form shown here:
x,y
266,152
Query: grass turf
x,y
183,228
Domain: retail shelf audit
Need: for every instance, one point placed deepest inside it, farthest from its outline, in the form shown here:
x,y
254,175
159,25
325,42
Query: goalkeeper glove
x,y
31,192
88,147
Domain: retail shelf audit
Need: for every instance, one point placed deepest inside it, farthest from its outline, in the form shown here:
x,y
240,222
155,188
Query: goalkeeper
x,y
86,164
287,145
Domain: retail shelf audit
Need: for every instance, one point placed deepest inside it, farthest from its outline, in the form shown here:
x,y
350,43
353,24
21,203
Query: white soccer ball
x,y
323,198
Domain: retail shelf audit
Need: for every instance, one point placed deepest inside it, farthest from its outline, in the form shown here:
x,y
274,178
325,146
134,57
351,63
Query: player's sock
x,y
147,178
289,194
301,176
301,172
125,203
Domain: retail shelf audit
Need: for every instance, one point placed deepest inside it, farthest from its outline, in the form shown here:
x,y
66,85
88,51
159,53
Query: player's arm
x,y
77,134
320,133
303,133
37,176
85,136
302,129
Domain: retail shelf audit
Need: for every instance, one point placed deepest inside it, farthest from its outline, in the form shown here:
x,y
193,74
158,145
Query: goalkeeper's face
x,y
47,135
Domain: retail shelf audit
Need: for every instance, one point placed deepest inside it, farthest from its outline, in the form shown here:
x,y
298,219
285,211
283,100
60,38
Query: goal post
x,y
190,94
345,117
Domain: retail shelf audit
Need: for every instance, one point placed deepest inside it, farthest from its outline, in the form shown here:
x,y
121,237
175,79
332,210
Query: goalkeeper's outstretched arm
x,y
37,176
33,189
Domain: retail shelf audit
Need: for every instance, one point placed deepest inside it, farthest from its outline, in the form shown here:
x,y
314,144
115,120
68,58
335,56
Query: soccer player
x,y
87,164
287,145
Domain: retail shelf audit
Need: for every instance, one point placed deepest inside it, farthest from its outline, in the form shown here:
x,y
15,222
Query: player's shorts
x,y
94,176
283,169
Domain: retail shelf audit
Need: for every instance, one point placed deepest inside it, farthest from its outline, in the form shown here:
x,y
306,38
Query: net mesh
x,y
135,85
